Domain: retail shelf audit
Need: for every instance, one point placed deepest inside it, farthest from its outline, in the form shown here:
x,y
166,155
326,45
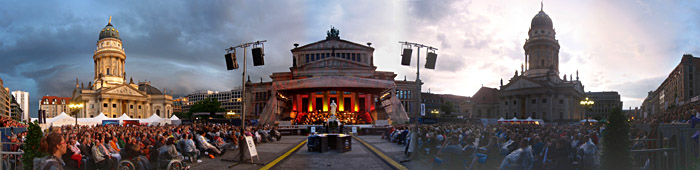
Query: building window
x,y
322,56
131,107
139,106
515,102
107,71
307,58
92,106
561,101
534,101
353,58
105,105
114,105
544,100
506,102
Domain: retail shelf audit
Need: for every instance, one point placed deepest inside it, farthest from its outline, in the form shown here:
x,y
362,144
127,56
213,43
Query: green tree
x,y
447,107
616,145
182,115
207,105
31,145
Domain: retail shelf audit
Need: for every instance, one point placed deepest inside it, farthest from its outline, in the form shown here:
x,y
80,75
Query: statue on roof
x,y
333,33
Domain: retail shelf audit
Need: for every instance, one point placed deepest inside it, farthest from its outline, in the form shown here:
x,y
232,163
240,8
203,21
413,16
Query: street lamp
x,y
76,106
587,104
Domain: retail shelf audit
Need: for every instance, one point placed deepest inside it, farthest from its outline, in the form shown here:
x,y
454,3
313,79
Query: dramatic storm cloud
x,y
625,46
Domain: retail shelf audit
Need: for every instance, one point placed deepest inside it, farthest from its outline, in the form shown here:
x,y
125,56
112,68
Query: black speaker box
x,y
258,57
231,61
406,56
430,60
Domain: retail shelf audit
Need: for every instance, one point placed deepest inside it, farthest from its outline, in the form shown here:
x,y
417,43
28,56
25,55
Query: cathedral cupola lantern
x,y
541,47
109,58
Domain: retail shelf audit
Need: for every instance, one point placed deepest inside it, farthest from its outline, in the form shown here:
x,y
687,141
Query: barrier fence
x,y
11,160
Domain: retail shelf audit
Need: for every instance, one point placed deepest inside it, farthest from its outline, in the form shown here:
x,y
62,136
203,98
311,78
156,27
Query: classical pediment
x,y
334,63
125,90
333,44
522,84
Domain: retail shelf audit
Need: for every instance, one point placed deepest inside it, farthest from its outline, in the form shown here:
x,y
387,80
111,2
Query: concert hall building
x,y
327,71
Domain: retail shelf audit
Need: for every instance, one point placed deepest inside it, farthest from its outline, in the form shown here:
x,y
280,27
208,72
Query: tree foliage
x,y
616,145
183,115
31,145
447,107
207,105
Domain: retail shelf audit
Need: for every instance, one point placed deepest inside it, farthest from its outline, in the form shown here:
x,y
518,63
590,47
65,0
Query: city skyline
x,y
629,47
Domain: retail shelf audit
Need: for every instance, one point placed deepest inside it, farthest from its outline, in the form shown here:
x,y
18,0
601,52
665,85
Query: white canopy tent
x,y
588,120
60,120
156,120
175,120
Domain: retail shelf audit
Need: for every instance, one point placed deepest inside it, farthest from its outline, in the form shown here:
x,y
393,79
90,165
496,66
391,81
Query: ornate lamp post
x,y
73,107
587,104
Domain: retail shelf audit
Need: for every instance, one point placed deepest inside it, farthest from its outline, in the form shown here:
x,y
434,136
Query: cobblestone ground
x,y
266,151
360,158
396,152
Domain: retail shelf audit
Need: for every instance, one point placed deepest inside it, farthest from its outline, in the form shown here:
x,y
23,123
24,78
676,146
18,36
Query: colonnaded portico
x,y
331,70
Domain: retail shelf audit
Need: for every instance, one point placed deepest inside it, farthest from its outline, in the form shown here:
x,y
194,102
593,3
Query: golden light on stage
x,y
325,107
341,108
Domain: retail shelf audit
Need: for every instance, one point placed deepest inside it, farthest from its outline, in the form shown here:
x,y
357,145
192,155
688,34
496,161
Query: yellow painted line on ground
x,y
274,162
393,163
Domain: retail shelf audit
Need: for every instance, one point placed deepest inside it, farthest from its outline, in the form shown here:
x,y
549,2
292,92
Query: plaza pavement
x,y
267,152
396,152
360,157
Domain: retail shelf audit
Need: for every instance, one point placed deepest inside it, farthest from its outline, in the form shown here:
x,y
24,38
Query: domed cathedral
x,y
537,91
541,48
110,93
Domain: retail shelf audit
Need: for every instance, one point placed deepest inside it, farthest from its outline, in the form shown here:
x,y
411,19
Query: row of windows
x,y
115,106
534,101
318,56
46,101
403,94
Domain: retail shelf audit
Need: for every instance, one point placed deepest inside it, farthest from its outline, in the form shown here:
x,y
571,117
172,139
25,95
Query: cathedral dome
x,y
541,20
109,32
149,89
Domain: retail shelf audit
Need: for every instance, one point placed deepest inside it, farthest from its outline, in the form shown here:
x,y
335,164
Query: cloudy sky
x,y
626,46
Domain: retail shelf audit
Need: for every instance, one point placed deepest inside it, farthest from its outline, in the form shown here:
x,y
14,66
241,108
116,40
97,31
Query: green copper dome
x,y
109,32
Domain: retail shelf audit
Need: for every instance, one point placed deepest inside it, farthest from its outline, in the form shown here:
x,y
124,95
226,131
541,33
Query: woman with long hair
x,y
55,145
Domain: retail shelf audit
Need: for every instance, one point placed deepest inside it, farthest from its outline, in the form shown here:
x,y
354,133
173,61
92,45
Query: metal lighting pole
x,y
243,99
414,129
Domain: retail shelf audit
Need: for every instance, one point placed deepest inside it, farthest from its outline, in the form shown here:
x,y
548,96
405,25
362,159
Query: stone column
x,y
355,102
312,102
325,102
341,102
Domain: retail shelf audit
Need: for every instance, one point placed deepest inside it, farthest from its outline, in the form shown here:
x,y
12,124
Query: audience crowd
x,y
502,146
9,122
103,147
